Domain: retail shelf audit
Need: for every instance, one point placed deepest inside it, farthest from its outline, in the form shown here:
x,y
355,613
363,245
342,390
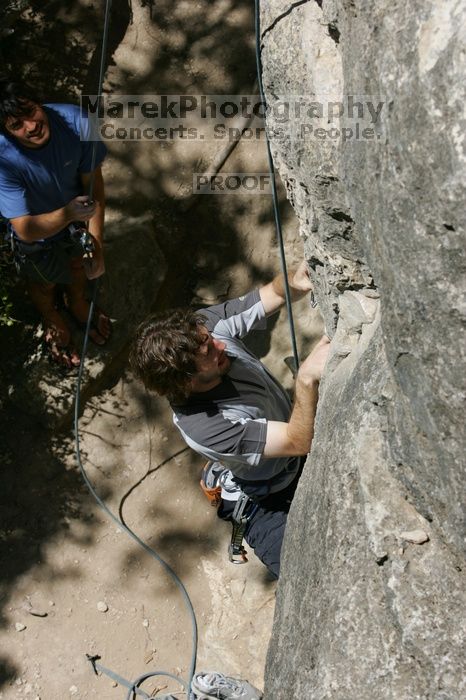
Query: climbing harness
x,y
217,482
22,251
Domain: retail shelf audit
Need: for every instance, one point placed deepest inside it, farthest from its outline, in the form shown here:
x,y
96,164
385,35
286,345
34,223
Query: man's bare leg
x,y
57,333
79,306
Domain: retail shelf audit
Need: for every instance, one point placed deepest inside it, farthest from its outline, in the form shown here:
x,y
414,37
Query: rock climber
x,y
45,173
230,409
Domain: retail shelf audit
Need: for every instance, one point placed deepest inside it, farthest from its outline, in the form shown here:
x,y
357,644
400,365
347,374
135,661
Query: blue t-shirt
x,y
39,180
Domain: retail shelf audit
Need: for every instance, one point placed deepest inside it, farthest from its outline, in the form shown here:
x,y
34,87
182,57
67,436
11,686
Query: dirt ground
x,y
63,558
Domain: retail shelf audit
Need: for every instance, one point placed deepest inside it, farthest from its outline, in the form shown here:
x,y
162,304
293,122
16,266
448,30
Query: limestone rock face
x,y
371,601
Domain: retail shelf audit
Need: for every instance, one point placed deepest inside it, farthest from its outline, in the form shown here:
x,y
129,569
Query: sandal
x,y
65,356
95,328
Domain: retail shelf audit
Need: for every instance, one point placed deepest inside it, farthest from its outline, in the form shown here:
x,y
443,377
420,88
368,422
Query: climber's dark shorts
x,y
266,530
49,261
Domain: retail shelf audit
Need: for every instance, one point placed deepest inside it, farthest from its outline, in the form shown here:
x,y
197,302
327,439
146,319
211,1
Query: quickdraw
x,y
245,509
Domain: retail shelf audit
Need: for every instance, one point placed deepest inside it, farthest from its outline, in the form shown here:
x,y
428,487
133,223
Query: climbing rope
x,y
123,526
133,686
276,208
103,54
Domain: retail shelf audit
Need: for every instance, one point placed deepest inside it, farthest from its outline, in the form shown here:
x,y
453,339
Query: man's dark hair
x,y
164,350
15,100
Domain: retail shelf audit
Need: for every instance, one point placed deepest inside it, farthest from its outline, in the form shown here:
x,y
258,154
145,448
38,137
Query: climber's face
x,y
31,127
212,362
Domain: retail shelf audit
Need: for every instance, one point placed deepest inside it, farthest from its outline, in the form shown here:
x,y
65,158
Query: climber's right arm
x,y
295,437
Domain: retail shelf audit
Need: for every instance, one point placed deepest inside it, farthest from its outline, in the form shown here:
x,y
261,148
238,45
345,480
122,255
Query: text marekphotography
x,y
159,118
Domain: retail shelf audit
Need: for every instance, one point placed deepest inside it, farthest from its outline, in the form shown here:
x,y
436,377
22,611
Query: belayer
x,y
46,166
230,409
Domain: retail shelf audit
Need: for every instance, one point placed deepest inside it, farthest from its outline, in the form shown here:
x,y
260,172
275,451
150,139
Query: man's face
x,y
31,128
211,361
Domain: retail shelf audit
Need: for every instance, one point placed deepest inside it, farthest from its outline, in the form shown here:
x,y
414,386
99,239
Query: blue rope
x,y
89,485
118,521
122,525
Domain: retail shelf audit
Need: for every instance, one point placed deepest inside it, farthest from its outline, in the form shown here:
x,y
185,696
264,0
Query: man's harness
x,y
76,231
213,481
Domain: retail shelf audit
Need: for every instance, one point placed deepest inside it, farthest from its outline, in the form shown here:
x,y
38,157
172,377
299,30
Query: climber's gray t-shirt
x,y
229,423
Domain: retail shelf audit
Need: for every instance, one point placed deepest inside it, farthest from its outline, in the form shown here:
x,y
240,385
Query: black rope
x,y
276,209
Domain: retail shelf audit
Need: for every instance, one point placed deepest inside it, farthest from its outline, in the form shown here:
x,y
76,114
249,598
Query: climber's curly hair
x,y
164,350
